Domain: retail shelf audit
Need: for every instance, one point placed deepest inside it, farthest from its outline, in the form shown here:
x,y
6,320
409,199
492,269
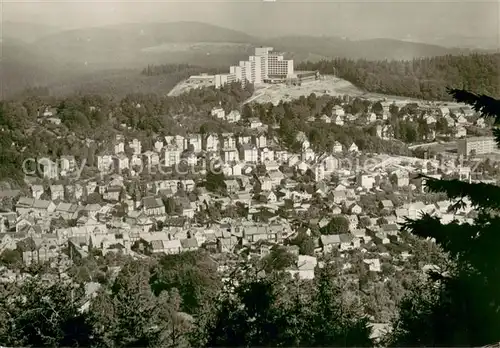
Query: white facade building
x,y
262,66
172,156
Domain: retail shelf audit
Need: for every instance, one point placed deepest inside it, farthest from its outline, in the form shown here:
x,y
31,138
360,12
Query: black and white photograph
x,y
249,173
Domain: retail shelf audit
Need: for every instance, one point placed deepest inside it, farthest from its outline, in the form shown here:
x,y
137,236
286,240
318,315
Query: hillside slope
x,y
426,78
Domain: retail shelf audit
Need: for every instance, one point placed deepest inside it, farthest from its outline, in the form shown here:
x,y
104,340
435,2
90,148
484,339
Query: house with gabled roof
x,y
153,206
171,247
67,211
338,110
43,207
24,221
354,208
325,118
254,122
189,244
249,153
37,191
386,204
338,197
232,186
305,267
373,265
328,242
57,192
415,210
233,117
24,205
353,148
348,242
260,141
112,193
212,142
337,147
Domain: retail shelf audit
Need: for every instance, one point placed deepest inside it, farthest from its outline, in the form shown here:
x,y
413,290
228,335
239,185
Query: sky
x,y
354,19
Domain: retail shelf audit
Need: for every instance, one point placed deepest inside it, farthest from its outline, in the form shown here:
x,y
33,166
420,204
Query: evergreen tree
x,y
461,307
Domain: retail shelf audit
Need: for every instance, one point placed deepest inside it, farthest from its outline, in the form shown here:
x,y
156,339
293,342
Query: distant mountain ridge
x,y
134,35
39,54
369,49
126,40
25,32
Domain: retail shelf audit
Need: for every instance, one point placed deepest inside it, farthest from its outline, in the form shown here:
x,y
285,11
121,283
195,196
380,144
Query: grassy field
x,y
327,85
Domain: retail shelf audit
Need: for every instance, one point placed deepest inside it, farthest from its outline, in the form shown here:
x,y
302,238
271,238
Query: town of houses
x,y
106,214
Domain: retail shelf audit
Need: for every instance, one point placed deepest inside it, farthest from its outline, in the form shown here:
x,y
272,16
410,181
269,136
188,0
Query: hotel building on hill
x,y
264,66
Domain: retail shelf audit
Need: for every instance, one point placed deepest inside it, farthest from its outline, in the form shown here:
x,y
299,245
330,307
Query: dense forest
x,y
424,78
181,69
183,301
116,83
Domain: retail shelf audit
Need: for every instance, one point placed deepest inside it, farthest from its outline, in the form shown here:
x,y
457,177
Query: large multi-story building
x,y
477,145
264,66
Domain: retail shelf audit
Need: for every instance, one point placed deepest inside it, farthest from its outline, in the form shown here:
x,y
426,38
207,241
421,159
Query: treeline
x,y
184,301
118,83
183,69
425,78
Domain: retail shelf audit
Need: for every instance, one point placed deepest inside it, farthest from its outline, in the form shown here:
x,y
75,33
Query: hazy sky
x,y
328,17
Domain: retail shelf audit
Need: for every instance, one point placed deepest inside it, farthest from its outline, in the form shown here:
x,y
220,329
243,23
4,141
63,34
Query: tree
x,y
44,315
193,274
214,182
331,322
131,315
260,170
247,112
11,257
382,221
280,311
377,108
459,307
337,225
170,205
304,242
365,222
442,126
278,259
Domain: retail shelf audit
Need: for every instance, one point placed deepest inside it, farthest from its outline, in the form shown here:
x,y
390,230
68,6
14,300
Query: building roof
x,y
67,207
328,239
41,204
172,244
386,203
275,174
346,238
152,202
189,243
25,201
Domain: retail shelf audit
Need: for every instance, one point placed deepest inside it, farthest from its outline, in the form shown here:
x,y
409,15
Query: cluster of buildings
x,y
60,216
125,211
160,216
265,66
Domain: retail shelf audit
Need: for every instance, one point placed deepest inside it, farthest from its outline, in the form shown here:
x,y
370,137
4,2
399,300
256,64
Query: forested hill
x,y
425,78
